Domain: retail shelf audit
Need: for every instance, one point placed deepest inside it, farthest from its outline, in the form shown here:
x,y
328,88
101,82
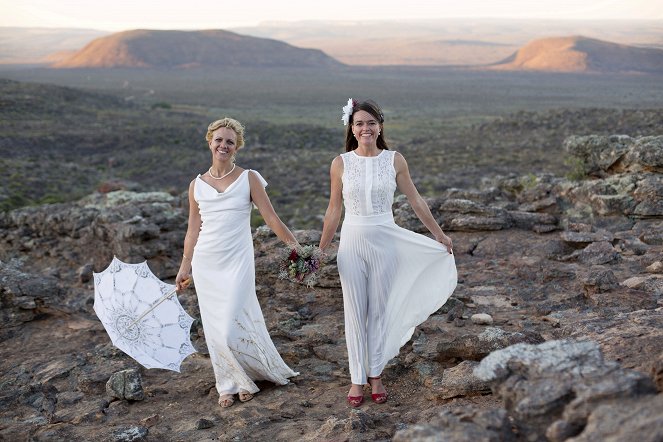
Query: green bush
x,y
576,168
161,105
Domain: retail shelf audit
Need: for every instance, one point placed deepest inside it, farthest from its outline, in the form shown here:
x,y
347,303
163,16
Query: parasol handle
x,y
186,282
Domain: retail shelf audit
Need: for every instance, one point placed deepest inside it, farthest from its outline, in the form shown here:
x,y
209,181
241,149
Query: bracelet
x,y
184,256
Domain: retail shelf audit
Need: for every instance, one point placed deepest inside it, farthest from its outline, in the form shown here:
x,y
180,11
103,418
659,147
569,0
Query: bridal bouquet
x,y
301,264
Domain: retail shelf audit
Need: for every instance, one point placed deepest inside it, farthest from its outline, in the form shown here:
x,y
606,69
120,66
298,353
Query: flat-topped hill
x,y
185,49
582,54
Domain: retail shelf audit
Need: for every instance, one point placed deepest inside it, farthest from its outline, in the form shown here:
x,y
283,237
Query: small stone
x,y
634,282
150,421
656,267
599,280
544,228
203,424
597,253
482,319
126,384
130,434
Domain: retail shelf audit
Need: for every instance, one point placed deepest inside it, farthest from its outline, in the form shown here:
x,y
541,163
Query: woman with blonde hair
x,y
218,250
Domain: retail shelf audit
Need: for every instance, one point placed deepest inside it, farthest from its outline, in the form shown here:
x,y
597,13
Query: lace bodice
x,y
369,183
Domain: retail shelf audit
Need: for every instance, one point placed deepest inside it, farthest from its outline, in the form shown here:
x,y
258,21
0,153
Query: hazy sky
x,y
118,15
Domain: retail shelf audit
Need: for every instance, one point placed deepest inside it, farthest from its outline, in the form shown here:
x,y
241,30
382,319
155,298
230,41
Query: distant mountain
x,y
444,42
457,42
41,45
186,49
582,54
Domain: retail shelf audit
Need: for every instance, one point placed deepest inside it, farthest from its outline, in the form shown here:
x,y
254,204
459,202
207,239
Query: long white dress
x,y
224,274
392,278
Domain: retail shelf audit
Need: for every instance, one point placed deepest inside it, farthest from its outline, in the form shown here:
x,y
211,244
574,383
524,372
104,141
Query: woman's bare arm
x,y
190,240
261,200
421,209
335,207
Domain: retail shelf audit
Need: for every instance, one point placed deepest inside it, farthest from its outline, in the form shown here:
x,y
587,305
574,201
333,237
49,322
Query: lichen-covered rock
x,y
600,280
638,419
24,296
126,384
477,223
466,424
130,434
476,346
458,381
585,238
597,253
614,334
554,387
646,153
598,153
649,197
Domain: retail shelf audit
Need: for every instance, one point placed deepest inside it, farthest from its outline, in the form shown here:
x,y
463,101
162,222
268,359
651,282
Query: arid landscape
x,y
546,170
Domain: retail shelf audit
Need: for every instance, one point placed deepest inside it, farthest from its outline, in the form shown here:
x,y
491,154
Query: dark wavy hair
x,y
372,108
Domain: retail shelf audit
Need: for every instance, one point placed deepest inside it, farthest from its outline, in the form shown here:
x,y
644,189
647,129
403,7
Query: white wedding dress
x,y
392,278
224,275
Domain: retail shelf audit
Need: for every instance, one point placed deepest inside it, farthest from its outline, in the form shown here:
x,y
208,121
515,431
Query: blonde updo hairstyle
x,y
230,123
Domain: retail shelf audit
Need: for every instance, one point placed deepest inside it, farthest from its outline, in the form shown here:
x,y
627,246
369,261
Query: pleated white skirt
x,y
392,280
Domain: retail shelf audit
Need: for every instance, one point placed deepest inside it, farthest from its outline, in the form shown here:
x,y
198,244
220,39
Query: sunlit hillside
x,y
190,49
581,54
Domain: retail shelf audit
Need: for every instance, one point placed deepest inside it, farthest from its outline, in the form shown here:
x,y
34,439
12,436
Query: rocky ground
x,y
555,331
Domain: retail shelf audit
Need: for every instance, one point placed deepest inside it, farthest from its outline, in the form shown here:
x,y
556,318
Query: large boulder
x,y
551,390
466,424
626,175
603,155
24,296
132,226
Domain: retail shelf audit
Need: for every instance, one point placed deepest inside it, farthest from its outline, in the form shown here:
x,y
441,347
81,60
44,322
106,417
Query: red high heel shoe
x,y
378,398
356,401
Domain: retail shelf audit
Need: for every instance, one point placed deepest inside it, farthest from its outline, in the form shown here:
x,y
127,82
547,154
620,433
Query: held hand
x,y
444,239
182,281
323,252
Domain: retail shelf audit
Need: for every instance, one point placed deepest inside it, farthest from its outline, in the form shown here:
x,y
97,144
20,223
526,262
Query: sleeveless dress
x,y
224,273
392,278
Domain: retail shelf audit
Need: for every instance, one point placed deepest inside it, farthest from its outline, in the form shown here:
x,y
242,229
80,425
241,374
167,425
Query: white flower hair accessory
x,y
347,111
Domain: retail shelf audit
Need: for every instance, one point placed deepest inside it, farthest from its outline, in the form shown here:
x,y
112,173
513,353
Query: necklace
x,y
223,176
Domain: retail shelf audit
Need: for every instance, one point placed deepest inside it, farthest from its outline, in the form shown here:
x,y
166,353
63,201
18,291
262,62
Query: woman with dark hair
x,y
392,278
